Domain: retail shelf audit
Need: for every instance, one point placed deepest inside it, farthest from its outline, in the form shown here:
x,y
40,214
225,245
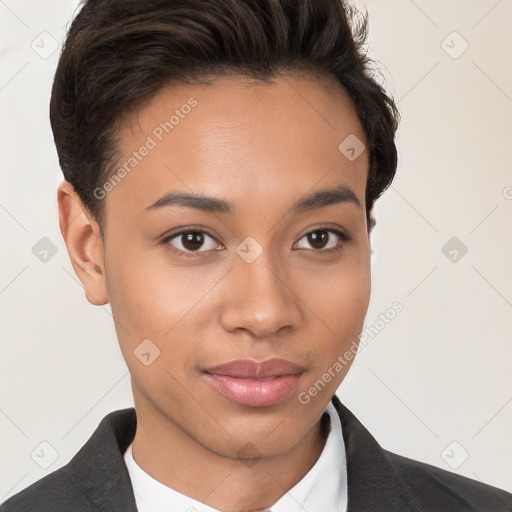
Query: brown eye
x,y
318,239
323,240
191,241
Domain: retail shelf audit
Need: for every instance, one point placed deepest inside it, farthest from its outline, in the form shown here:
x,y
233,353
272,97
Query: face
x,y
256,272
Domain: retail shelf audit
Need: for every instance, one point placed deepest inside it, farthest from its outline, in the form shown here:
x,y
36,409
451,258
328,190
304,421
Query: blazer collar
x,y
99,469
374,483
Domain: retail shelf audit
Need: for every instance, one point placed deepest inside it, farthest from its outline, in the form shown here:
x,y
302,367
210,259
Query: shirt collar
x,y
323,488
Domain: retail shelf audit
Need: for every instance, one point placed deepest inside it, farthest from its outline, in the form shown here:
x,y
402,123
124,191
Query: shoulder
x,y
379,479
433,486
55,492
95,479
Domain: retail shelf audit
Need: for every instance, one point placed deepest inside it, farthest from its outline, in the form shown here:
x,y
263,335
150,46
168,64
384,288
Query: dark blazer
x,y
97,480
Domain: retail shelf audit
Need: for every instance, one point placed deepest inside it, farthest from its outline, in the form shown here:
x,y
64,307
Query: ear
x,y
84,244
372,220
371,224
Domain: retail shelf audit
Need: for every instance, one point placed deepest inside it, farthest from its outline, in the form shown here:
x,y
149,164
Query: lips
x,y
255,383
252,369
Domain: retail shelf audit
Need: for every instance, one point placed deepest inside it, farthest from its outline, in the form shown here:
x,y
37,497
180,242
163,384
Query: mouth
x,y
255,383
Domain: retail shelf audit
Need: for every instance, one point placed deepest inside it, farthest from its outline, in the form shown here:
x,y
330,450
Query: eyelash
x,y
197,254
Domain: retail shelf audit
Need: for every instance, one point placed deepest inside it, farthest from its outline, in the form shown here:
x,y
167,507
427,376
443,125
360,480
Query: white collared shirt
x,y
322,489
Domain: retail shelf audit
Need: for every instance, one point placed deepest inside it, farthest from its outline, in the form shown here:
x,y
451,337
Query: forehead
x,y
240,139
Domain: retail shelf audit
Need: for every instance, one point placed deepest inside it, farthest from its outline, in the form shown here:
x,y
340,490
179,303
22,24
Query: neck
x,y
178,461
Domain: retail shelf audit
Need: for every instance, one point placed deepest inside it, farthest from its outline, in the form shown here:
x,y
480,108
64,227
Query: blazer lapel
x,y
99,468
374,484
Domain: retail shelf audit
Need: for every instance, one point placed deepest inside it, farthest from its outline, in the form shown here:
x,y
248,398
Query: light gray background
x,y
433,385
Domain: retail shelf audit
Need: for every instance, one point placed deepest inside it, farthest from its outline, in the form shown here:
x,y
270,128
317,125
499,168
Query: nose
x,y
260,299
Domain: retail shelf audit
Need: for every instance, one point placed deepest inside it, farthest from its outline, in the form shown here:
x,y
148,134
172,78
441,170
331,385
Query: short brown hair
x,y
118,53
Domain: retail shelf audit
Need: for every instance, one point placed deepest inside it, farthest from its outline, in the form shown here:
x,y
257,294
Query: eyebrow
x,y
318,199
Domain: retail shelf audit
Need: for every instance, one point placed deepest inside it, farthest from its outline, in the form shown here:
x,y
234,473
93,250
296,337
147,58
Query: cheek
x,y
353,299
150,304
150,294
340,306
339,295
153,298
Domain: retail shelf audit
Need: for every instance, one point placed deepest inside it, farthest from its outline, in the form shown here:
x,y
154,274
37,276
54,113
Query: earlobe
x,y
84,244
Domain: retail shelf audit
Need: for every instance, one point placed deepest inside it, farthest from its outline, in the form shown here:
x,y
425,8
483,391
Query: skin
x,y
261,147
